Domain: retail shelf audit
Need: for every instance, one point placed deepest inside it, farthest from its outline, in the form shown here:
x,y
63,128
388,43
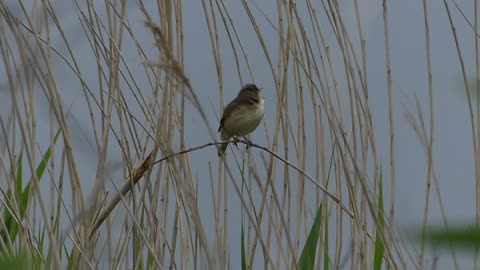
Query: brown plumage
x,y
242,115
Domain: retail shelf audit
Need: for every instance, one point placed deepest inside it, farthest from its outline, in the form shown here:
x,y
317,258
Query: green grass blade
x,y
242,233
11,227
466,237
15,262
242,236
69,260
19,176
43,164
41,244
195,247
307,258
379,247
326,258
39,173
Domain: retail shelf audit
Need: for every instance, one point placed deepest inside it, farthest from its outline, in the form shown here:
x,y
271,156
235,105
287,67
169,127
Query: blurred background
x,y
366,99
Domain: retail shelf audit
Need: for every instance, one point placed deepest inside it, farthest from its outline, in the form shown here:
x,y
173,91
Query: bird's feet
x,y
235,141
249,143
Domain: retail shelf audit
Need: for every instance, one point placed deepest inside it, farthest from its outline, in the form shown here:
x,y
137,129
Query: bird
x,y
241,116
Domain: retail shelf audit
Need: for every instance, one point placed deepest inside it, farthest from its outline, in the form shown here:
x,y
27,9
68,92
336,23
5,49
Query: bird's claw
x,y
235,141
248,144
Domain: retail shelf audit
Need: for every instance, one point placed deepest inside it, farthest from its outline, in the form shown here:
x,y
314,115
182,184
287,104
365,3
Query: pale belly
x,y
243,121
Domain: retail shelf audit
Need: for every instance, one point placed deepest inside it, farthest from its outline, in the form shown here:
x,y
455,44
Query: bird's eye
x,y
253,100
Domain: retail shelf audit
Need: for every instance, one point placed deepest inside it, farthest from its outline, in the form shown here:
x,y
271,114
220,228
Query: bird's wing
x,y
226,113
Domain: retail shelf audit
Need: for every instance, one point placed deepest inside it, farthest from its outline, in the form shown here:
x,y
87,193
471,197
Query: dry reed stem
x,y
148,162
309,73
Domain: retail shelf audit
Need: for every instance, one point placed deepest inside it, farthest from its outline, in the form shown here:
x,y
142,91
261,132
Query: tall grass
x,y
310,189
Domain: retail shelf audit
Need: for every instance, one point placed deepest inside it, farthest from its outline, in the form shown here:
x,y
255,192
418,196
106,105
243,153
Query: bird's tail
x,y
223,146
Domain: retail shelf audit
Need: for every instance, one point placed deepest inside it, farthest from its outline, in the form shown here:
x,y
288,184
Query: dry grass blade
x,y
125,184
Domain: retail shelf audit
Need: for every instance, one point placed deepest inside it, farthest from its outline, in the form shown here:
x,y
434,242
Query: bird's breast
x,y
244,120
